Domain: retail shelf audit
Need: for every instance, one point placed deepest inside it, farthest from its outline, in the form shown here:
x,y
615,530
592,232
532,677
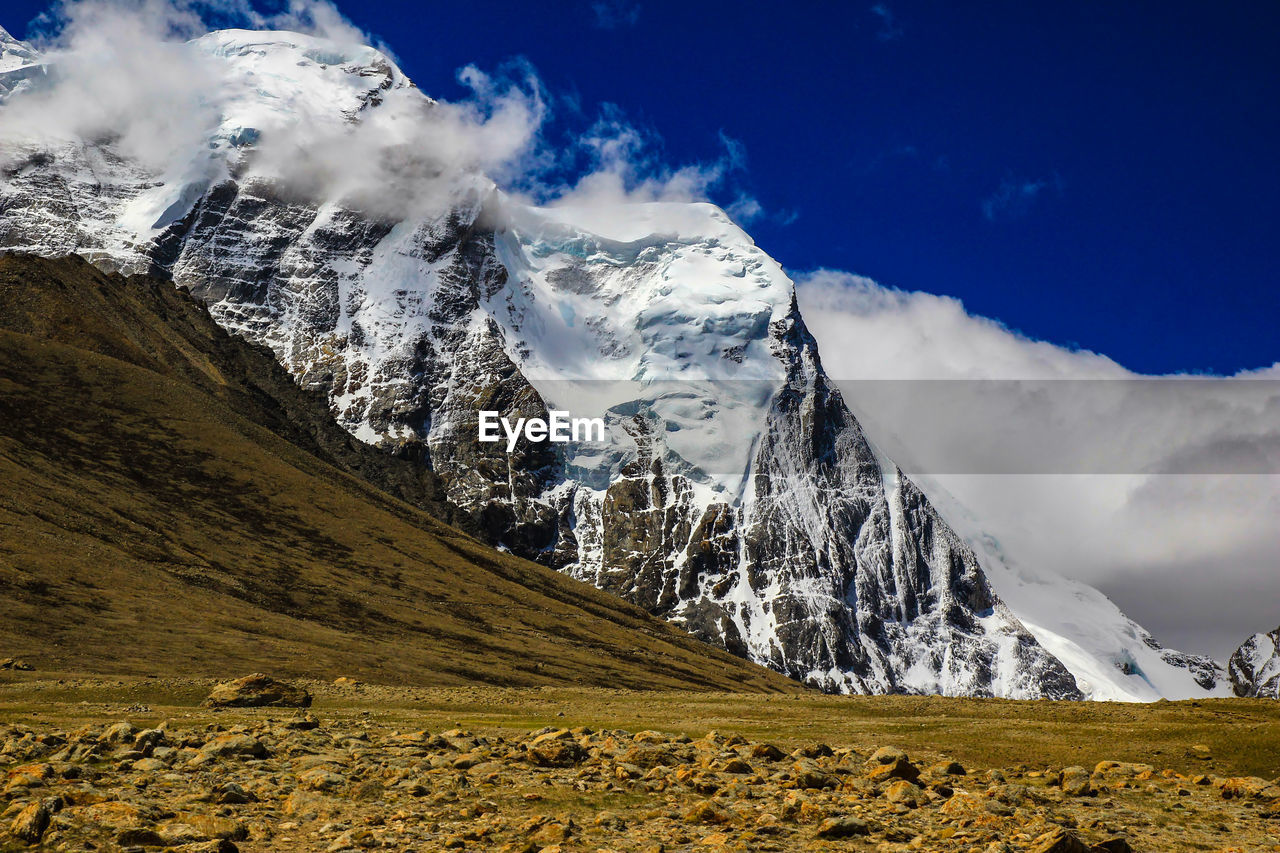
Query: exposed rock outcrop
x,y
1254,669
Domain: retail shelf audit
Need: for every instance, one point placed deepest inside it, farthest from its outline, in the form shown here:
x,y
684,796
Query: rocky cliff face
x,y
735,493
1254,669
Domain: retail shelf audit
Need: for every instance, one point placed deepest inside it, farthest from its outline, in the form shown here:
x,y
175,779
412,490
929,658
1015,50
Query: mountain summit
x,y
323,208
1255,666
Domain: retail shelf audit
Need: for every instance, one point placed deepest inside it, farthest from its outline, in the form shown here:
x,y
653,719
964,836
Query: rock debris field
x,y
260,779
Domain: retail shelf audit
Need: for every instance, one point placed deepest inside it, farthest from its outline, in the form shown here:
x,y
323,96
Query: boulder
x,y
320,779
946,768
842,827
1075,782
31,822
896,768
650,737
234,745
809,774
887,755
555,753
117,733
767,751
257,691
1058,841
904,793
1113,845
707,812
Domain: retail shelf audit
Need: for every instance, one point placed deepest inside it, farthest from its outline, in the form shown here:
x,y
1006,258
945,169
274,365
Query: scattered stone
x,y
304,722
233,745
118,733
257,691
359,785
16,664
220,845
555,753
897,767
842,827
946,768
232,794
904,793
767,751
1075,782
707,811
1058,840
28,776
319,779
31,822
887,755
1238,787
648,756
1122,768
809,774
553,832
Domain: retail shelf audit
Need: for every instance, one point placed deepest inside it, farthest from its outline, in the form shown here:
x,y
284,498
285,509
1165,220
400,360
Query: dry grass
x,y
155,520
1243,734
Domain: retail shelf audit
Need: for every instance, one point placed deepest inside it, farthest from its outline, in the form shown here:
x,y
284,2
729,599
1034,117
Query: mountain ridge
x,y
1254,668
792,543
149,526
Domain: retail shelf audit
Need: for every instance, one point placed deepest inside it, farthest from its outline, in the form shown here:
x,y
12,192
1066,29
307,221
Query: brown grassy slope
x,y
150,323
150,524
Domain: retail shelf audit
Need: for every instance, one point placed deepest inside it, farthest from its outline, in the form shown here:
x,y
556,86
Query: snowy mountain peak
x,y
321,205
17,60
1255,666
303,77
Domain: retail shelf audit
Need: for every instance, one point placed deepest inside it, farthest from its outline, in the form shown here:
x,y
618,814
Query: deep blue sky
x,y
1096,174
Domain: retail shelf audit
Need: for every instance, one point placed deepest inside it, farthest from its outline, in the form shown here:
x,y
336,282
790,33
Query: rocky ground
x,y
93,776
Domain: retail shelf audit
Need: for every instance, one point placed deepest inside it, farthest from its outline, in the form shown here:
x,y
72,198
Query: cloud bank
x,y
1161,491
123,71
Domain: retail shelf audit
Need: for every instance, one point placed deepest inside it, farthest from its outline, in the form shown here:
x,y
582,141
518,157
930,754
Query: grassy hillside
x,y
171,503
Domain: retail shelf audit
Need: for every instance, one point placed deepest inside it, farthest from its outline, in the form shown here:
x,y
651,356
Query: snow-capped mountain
x,y
18,62
735,493
1255,667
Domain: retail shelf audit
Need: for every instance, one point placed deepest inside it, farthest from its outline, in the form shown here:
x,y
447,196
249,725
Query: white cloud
x,y
625,167
615,14
744,210
890,29
1066,456
120,70
314,17
1015,196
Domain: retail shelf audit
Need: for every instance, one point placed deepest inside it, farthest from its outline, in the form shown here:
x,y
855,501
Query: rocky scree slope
x,y
736,495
